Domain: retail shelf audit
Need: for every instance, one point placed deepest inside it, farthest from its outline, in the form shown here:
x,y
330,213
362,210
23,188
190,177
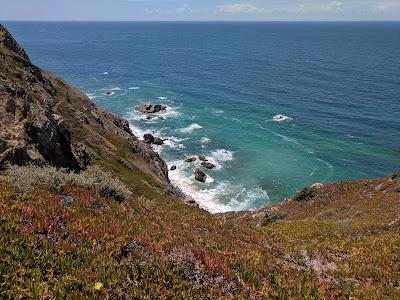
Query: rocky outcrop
x,y
208,165
199,175
149,108
158,165
151,139
44,120
190,159
9,42
30,131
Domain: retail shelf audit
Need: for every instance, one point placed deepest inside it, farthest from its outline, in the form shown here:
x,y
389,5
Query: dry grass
x,y
93,179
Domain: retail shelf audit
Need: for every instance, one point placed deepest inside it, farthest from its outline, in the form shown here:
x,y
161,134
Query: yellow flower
x,y
98,286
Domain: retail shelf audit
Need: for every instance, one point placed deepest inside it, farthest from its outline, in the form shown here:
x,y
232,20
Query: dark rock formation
x,y
149,108
190,159
153,117
208,165
202,158
173,168
30,130
199,175
9,42
150,139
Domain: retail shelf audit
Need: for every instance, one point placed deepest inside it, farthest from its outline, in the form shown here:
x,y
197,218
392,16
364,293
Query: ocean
x,y
336,85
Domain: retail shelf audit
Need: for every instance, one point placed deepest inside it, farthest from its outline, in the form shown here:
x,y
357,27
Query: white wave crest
x,y
134,88
222,155
281,118
191,128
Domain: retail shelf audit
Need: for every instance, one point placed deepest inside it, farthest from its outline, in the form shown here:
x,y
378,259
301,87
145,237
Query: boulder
x,y
150,139
149,108
208,165
203,158
173,168
199,175
190,159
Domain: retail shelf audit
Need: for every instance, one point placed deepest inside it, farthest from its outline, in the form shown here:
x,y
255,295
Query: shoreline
x,y
186,187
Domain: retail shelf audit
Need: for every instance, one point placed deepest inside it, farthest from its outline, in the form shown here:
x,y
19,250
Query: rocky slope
x,y
44,120
117,230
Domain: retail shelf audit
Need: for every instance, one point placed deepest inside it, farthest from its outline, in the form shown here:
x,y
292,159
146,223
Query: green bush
x,y
92,179
396,175
305,194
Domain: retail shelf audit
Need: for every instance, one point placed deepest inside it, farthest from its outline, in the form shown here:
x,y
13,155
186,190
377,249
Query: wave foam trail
x,y
191,128
222,155
134,88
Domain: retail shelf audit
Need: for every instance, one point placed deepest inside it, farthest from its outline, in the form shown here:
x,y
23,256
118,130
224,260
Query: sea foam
x,y
191,128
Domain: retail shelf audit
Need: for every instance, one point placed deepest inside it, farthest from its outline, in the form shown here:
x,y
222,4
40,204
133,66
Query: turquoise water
x,y
338,84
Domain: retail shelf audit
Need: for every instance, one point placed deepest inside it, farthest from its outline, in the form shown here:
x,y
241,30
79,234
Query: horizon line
x,y
204,21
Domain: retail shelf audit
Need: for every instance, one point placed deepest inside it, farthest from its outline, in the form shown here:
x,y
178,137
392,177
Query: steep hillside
x,y
116,229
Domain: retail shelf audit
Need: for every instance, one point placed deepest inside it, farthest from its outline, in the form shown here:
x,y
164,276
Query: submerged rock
x,y
199,175
203,158
153,117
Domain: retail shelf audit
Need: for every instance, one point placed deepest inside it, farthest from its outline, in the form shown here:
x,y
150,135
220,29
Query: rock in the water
x,y
190,159
199,175
150,139
173,168
203,158
154,117
149,108
208,165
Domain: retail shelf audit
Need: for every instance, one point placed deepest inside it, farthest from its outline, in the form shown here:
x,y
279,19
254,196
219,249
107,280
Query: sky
x,y
199,10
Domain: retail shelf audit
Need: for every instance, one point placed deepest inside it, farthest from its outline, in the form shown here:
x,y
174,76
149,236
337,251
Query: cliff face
x,y
44,120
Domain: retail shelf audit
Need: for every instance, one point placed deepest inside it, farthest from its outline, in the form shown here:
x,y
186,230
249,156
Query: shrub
x,y
396,175
305,194
273,217
92,179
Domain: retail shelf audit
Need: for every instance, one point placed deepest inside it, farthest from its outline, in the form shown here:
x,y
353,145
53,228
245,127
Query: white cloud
x,y
154,11
335,6
240,8
185,9
388,5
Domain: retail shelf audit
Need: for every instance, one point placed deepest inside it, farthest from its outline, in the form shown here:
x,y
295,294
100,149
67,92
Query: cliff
x,y
93,216
45,121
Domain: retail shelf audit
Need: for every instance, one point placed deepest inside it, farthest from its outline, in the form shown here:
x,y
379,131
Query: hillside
x,y
117,229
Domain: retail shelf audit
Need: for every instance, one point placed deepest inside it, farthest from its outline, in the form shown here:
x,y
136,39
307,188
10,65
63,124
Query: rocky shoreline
x,y
46,121
150,110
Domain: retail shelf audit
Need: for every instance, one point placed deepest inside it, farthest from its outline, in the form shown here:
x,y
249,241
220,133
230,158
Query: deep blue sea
x,y
338,84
